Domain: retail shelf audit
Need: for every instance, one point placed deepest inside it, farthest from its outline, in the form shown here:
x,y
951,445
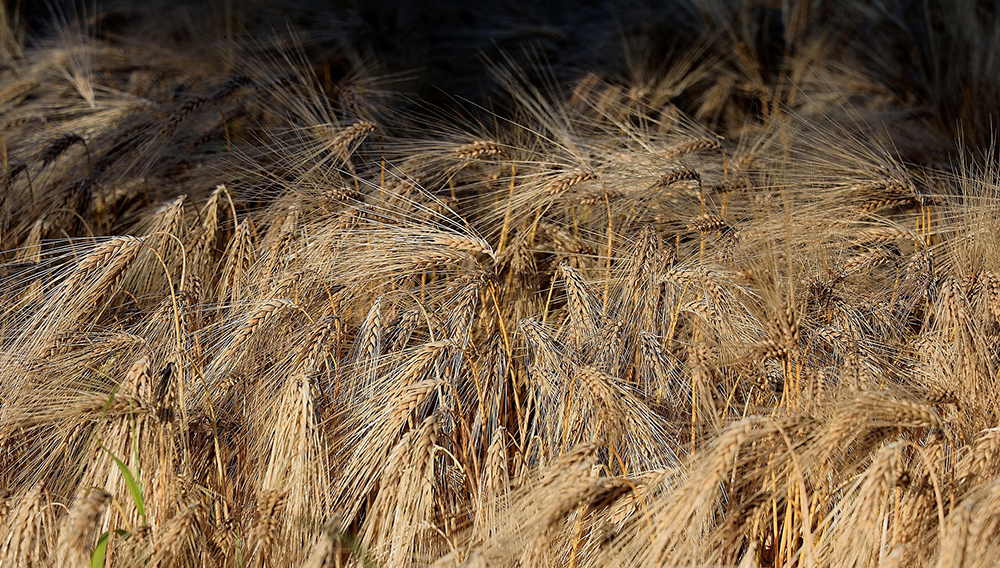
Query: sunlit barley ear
x,y
463,307
239,256
98,270
370,342
266,545
494,486
343,142
363,462
313,356
236,348
409,487
565,490
583,319
130,437
297,465
202,252
479,149
29,529
30,250
405,328
658,376
870,506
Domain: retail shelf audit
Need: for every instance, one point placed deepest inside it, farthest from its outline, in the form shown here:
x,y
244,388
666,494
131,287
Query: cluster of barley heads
x,y
735,302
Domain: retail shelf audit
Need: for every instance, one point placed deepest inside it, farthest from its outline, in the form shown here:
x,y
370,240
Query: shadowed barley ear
x,y
80,529
181,538
695,145
182,113
13,93
58,147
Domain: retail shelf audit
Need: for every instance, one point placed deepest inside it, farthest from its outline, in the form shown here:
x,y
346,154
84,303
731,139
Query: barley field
x,y
415,283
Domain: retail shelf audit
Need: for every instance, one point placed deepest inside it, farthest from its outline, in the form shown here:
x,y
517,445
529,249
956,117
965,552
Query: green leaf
x,y
97,557
133,487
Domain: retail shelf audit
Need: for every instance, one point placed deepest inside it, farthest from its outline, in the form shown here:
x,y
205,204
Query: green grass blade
x,y
133,486
97,557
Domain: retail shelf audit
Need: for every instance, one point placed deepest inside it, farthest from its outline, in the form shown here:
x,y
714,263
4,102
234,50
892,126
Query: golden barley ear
x,y
30,529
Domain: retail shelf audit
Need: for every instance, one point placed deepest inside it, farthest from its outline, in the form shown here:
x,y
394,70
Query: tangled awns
x,y
690,283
